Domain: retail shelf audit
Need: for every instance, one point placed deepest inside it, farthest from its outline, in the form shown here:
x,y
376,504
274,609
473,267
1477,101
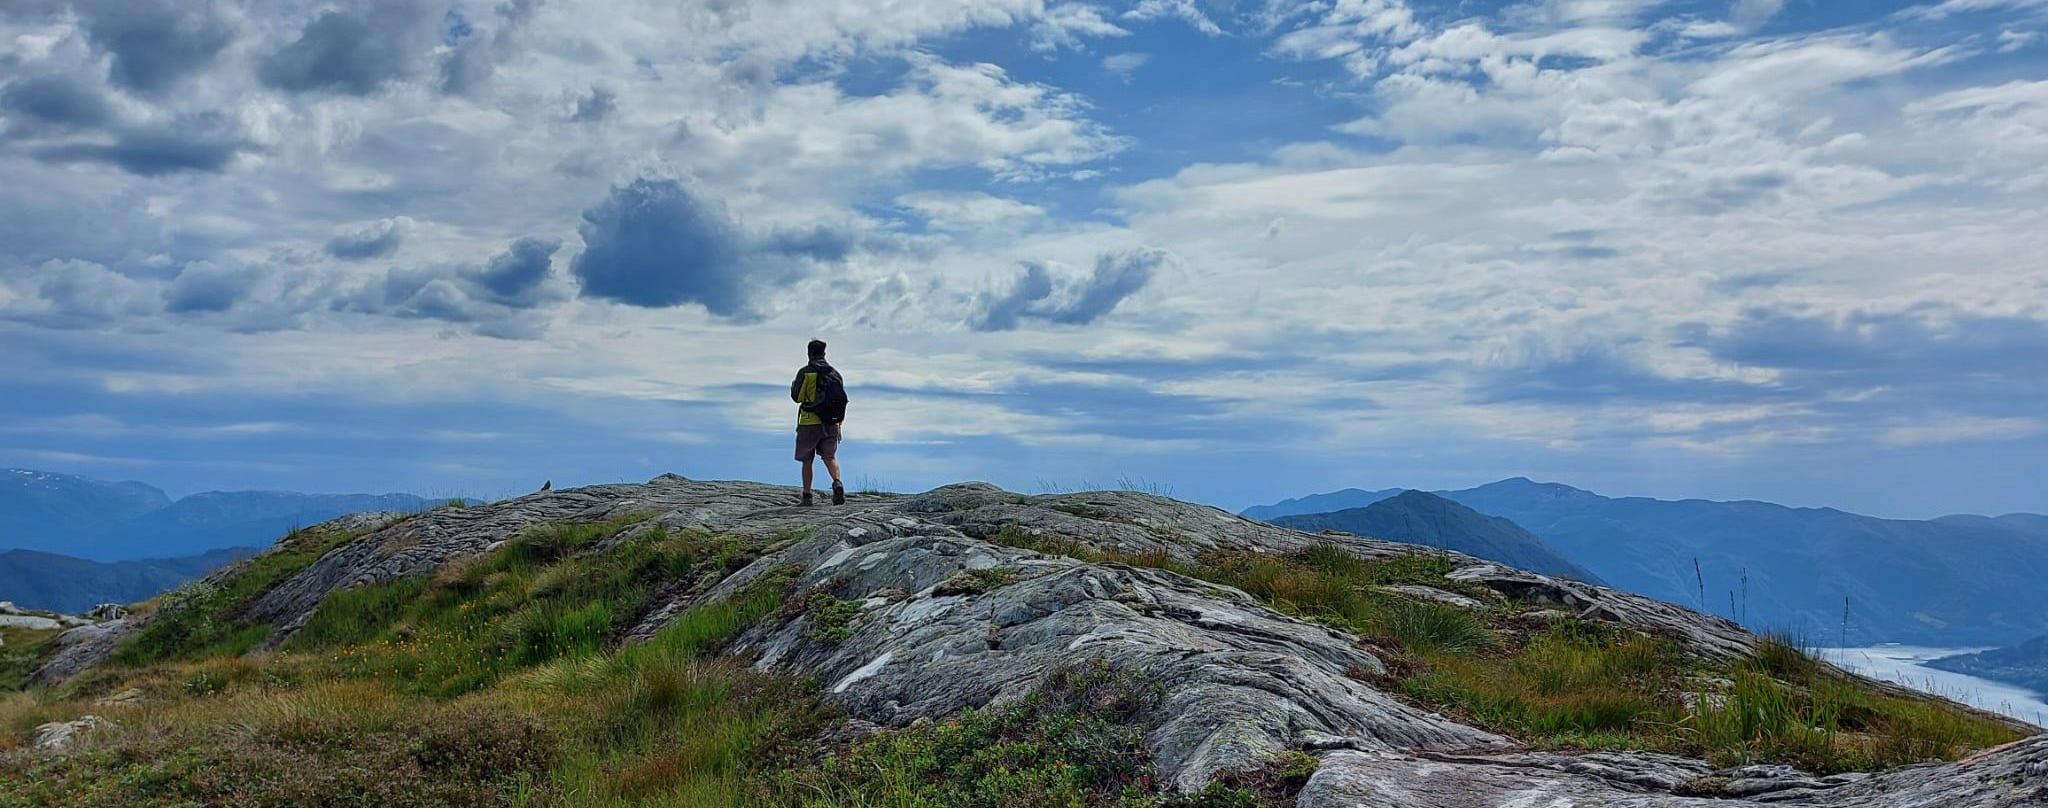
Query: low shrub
x,y
829,618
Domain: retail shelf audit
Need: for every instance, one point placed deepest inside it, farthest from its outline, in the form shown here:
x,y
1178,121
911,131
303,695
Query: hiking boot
x,y
838,493
807,500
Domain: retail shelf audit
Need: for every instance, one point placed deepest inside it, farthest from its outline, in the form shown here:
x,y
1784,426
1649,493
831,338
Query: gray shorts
x,y
821,440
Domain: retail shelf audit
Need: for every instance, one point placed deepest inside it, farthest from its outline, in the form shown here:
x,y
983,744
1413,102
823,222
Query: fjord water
x,y
1905,664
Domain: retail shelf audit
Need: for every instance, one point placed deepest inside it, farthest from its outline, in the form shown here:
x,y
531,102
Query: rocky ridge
x,y
952,615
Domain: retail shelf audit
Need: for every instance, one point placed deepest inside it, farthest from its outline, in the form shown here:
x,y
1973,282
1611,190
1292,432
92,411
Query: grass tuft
x,y
1434,628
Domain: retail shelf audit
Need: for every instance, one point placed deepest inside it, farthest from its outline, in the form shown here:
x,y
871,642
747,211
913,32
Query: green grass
x,y
1077,741
22,651
1574,685
204,618
532,601
1433,628
1785,706
336,744
1591,686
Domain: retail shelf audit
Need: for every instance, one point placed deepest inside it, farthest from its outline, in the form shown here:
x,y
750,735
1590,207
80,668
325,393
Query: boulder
x,y
63,737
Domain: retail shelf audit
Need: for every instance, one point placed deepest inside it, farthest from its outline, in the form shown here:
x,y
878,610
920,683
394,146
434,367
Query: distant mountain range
x,y
1427,519
2025,664
39,580
120,521
1960,580
2032,524
1332,502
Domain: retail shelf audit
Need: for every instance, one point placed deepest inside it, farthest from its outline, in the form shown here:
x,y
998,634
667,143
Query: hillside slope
x,y
65,584
698,643
1432,521
1931,582
2025,664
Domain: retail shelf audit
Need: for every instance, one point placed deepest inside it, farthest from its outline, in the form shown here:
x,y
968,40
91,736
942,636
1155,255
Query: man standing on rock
x,y
820,395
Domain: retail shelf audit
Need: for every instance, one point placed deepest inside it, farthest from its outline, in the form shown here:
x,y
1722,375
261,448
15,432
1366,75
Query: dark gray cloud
x,y
1000,310
517,276
377,240
1928,342
596,106
1590,252
1727,193
355,49
655,243
1035,294
34,12
749,70
1117,276
1599,374
1925,356
205,287
1868,367
57,101
1741,282
474,59
492,299
156,43
81,294
199,143
816,243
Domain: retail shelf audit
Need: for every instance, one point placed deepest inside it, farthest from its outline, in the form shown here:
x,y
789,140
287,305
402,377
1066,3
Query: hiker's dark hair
x,y
817,348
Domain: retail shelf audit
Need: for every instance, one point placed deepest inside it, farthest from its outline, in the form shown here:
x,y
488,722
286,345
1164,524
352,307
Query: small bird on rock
x,y
547,485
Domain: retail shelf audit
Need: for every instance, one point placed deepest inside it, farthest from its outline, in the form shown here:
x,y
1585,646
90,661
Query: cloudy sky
x,y
1783,249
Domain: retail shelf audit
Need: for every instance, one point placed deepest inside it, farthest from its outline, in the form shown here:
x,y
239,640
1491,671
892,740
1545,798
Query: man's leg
x,y
831,467
829,450
806,451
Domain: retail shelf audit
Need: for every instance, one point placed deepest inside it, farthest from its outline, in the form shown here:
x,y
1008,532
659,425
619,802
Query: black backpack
x,y
830,405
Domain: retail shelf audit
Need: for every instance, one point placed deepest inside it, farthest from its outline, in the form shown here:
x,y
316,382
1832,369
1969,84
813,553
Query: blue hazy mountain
x,y
1953,581
1334,501
118,521
2032,524
1427,519
42,510
233,518
39,580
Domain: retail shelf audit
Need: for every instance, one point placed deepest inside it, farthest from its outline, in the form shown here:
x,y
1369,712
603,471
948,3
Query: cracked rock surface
x,y
950,618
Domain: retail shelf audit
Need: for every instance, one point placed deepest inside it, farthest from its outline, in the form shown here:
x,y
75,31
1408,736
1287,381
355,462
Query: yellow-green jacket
x,y
814,377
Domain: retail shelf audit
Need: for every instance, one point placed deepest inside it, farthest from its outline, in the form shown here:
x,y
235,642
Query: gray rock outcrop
x,y
952,613
63,737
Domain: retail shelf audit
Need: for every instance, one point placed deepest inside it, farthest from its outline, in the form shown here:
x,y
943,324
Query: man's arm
x,y
796,388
